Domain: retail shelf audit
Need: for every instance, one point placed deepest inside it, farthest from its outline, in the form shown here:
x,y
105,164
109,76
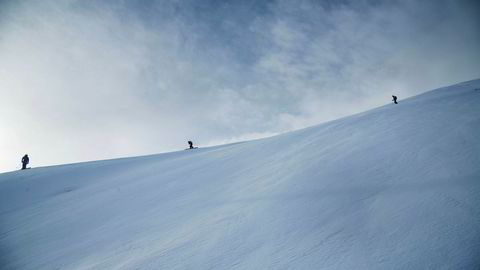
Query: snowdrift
x,y
396,187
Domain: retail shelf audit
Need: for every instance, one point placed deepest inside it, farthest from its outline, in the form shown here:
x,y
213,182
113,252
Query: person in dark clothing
x,y
394,99
191,144
25,161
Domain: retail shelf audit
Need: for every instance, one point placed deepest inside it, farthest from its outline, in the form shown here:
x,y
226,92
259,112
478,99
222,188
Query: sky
x,y
88,80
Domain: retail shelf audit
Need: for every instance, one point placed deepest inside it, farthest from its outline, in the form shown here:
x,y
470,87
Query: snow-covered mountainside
x,y
397,187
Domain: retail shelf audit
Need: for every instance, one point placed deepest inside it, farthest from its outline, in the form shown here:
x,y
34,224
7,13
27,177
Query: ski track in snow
x,y
396,187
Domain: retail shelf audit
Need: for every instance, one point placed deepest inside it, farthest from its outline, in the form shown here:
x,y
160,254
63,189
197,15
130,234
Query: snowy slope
x,y
397,187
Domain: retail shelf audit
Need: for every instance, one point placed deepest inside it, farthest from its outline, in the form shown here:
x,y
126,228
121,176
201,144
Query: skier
x,y
191,144
25,161
394,99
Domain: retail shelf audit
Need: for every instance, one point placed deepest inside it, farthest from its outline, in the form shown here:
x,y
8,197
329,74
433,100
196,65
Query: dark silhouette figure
x,y
25,161
191,144
394,99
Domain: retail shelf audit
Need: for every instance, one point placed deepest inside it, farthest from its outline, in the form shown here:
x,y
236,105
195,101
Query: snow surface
x,y
397,187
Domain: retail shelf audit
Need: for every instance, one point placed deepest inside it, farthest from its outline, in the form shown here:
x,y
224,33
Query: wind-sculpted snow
x,y
397,187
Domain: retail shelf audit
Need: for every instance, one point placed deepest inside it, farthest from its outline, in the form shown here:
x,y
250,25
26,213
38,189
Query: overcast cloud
x,y
87,80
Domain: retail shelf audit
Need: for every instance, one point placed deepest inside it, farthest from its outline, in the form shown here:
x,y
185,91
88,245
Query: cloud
x,y
352,56
83,80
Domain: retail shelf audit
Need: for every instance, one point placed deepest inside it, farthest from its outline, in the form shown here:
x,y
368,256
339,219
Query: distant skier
x,y
191,144
394,99
25,161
